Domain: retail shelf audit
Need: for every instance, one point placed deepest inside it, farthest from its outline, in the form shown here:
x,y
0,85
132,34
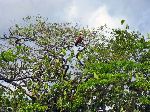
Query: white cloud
x,y
85,12
101,17
73,12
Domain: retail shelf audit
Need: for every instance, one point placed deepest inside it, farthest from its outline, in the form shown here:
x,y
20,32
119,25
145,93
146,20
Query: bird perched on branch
x,y
79,39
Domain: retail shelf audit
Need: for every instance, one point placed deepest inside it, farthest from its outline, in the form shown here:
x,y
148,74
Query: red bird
x,y
79,39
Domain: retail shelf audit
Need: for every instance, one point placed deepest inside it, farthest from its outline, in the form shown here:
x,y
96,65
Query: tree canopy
x,y
41,69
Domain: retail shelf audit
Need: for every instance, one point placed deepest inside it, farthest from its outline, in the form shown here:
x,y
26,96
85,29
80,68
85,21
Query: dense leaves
x,y
41,69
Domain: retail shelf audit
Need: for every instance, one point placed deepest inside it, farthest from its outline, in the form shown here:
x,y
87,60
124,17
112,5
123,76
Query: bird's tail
x,y
76,44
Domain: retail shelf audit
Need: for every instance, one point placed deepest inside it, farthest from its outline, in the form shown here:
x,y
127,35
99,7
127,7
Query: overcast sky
x,y
85,12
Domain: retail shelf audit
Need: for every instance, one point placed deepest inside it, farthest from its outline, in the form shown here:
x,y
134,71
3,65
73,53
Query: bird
x,y
79,39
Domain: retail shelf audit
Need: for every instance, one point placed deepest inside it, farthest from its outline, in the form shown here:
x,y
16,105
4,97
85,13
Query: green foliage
x,y
7,56
109,72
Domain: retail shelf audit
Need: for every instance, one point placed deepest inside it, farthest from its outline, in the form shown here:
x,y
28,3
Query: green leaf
x,y
80,56
46,86
63,51
95,76
127,26
122,22
65,92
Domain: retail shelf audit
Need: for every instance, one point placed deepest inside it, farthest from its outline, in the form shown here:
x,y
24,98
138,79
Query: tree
x,y
49,73
121,72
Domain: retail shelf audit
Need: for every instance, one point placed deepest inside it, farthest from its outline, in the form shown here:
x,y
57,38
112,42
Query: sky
x,y
93,13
